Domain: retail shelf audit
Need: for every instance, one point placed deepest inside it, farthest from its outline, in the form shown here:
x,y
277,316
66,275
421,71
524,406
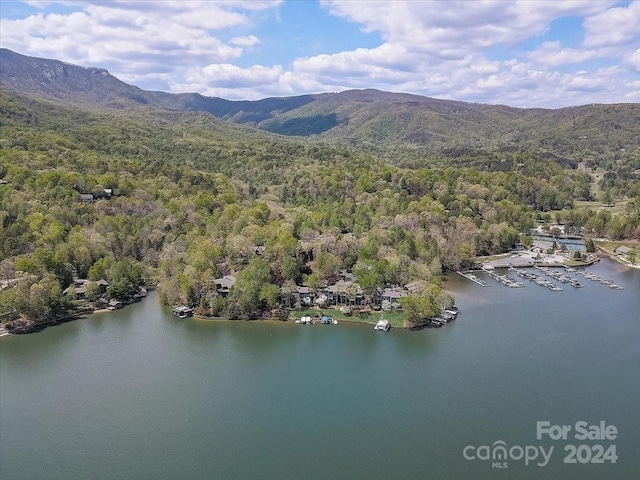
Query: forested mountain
x,y
193,197
404,129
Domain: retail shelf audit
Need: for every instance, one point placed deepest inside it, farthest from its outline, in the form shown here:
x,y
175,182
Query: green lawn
x,y
596,205
610,246
396,318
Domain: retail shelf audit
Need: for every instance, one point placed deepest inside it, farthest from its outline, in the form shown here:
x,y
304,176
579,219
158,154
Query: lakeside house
x,y
80,286
623,251
224,284
393,295
351,294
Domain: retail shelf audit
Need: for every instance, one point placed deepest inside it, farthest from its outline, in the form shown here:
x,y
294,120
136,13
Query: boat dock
x,y
537,279
504,279
595,278
473,278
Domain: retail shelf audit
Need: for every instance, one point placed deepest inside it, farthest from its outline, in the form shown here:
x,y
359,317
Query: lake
x,y
140,394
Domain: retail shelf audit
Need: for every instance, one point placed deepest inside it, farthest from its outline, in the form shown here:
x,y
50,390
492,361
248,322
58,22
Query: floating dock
x,y
473,278
504,279
537,279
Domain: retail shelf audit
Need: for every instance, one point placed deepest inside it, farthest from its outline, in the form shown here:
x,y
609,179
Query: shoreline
x,y
288,321
616,258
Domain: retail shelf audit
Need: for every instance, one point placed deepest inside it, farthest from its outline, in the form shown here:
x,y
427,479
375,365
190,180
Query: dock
x,y
595,278
503,279
537,279
473,278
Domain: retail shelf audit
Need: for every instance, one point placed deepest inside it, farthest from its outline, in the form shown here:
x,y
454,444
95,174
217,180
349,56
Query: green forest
x,y
179,199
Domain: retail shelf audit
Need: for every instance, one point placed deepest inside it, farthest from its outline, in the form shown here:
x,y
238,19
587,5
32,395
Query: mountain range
x,y
391,124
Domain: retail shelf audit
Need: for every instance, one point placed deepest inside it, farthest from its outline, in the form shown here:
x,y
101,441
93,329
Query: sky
x,y
522,53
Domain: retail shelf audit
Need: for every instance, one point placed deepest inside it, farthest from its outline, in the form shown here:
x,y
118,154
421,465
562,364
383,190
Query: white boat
x,y
382,325
335,322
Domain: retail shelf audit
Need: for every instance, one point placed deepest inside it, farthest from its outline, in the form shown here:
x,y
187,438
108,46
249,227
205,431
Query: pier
x,y
537,279
473,278
595,278
504,279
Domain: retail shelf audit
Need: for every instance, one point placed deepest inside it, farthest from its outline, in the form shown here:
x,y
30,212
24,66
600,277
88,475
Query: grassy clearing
x,y
619,207
610,245
396,318
499,256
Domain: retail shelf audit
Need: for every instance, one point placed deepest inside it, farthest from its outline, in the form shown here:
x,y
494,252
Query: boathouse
x,y
182,311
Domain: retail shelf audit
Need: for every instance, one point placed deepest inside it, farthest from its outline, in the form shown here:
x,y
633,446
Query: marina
x,y
539,277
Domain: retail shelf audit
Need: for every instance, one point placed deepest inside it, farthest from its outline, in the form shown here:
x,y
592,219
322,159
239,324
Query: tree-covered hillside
x,y
192,198
402,129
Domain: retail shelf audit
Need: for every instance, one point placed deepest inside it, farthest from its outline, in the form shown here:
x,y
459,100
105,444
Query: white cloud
x,y
616,26
432,48
230,76
461,25
246,42
634,60
132,38
553,55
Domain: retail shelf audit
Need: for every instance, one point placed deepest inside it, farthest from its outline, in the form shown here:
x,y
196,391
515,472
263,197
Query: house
x,y
393,295
86,197
344,292
623,250
305,294
415,288
541,246
224,284
80,285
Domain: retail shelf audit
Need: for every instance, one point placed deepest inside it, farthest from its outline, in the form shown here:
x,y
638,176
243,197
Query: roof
x,y
393,293
225,282
182,309
415,287
80,285
624,250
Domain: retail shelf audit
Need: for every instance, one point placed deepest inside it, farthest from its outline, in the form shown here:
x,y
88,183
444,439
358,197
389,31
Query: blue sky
x,y
525,53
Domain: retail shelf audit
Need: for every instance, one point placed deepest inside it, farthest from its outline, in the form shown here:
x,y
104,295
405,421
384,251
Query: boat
x,y
335,322
382,325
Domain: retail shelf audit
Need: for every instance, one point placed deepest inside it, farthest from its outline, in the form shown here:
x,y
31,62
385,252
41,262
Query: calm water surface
x,y
139,394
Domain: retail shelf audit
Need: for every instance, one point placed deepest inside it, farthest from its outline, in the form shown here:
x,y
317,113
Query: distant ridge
x,y
370,119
